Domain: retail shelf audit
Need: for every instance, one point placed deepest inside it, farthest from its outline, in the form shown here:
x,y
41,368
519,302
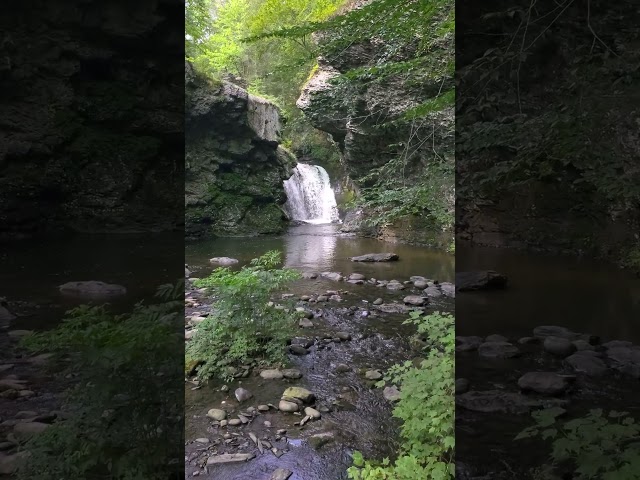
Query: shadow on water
x,y
582,295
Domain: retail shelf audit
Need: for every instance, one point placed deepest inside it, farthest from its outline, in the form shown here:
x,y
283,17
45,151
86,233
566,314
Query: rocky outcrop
x,y
91,130
235,166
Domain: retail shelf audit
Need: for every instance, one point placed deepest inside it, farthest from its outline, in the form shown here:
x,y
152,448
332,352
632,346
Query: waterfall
x,y
310,197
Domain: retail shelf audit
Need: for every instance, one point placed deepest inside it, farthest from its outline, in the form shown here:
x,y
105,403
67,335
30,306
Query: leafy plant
x,y
124,411
598,446
245,325
426,407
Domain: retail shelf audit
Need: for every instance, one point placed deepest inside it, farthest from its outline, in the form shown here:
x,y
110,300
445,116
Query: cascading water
x,y
310,197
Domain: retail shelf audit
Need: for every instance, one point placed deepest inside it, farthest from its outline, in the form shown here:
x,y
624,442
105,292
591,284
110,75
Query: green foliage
x,y
426,408
597,446
124,411
245,326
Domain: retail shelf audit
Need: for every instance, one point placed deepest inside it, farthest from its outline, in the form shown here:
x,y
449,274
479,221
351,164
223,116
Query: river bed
x,y
357,415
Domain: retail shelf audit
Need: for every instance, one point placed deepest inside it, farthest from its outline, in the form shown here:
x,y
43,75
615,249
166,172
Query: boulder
x,y
301,393
287,406
480,280
546,383
376,257
414,300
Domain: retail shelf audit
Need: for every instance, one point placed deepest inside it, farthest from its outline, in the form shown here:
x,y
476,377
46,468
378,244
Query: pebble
x,y
312,412
217,414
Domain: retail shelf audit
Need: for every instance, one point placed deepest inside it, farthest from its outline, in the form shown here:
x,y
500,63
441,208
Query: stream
x,y
354,413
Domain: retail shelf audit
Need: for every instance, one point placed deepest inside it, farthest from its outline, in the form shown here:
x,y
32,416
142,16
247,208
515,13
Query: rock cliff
x,y
235,166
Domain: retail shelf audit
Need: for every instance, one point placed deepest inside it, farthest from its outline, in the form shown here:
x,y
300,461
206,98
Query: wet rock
x,y
217,414
271,374
356,282
617,343
92,289
462,385
421,284
343,336
554,331
395,286
298,350
481,280
342,368
373,375
322,298
587,363
335,298
546,383
558,346
496,338
312,412
305,298
433,292
300,393
528,340
318,440
243,419
498,350
335,276
287,406
223,261
230,458
309,275
281,474
305,323
242,394
24,431
376,257
499,401
391,394
292,373
357,276
468,343
625,360
378,301
448,289
203,440
414,300
234,422
582,345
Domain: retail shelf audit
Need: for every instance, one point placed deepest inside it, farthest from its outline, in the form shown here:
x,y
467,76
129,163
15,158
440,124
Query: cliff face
x,y
91,132
235,166
547,154
366,118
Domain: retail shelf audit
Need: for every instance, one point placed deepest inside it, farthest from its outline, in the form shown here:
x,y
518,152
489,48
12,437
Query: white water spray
x,y
310,197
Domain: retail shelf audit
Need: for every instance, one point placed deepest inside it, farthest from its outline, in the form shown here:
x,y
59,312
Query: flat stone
x,y
312,412
242,394
335,276
357,276
344,336
546,383
292,373
373,375
234,422
271,374
498,350
287,406
391,394
92,289
309,275
433,292
414,300
587,363
300,393
224,261
24,431
393,308
281,474
230,458
203,440
318,440
558,346
263,408
499,401
298,350
376,257
395,286
378,301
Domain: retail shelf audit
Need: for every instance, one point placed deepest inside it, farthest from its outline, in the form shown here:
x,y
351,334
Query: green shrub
x,y
245,326
125,409
426,407
597,446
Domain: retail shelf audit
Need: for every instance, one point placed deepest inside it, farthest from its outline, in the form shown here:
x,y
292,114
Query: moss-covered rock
x,y
235,165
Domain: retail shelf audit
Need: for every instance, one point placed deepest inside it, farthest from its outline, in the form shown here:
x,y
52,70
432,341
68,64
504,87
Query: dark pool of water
x,y
582,295
31,271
